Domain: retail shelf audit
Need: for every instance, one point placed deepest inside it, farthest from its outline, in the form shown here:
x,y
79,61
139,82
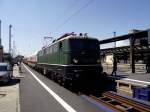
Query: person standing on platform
x,y
19,65
114,65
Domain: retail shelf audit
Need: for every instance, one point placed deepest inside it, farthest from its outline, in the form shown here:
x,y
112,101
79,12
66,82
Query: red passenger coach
x,y
32,61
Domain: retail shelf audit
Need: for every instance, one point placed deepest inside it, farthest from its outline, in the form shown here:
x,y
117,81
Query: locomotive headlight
x,y
75,60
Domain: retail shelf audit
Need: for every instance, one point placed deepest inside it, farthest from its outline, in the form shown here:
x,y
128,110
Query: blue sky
x,y
34,19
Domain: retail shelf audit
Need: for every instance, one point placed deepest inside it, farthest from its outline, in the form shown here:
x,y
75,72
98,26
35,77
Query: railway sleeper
x,y
109,105
117,104
137,106
127,109
114,104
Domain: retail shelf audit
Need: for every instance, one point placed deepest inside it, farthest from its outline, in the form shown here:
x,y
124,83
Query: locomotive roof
x,y
70,37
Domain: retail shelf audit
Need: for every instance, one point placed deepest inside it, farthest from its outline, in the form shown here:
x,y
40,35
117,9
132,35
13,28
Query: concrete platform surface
x,y
9,94
40,94
124,71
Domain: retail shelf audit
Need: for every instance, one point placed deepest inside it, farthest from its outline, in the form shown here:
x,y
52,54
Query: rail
x,y
121,104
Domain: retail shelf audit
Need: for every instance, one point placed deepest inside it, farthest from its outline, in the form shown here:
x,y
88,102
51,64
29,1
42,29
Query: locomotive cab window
x,y
60,46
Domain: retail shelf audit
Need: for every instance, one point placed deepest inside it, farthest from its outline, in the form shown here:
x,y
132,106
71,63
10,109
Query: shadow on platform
x,y
12,82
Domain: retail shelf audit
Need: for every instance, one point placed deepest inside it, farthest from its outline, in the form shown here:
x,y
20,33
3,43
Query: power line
x,y
64,13
75,13
67,10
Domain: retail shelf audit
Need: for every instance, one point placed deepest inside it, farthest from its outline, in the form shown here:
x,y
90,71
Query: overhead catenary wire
x,y
74,14
67,10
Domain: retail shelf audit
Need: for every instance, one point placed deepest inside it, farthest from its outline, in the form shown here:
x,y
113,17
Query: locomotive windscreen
x,y
84,44
84,51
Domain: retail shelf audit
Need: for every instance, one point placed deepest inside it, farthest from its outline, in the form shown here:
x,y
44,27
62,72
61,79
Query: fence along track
x,y
121,104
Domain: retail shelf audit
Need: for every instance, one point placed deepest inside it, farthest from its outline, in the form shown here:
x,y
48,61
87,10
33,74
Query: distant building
x,y
19,58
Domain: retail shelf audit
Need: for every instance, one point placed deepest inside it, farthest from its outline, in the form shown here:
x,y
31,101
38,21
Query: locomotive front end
x,y
84,62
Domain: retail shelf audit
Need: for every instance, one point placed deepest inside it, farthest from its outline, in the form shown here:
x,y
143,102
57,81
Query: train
x,y
71,60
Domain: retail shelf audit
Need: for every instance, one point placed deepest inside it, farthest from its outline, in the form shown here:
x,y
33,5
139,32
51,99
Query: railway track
x,y
121,104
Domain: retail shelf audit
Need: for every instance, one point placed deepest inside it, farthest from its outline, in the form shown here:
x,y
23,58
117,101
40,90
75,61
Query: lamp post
x,y
114,37
0,32
10,26
1,47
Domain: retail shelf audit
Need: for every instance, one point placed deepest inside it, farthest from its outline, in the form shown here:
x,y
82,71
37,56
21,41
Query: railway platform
x,y
38,93
9,94
123,71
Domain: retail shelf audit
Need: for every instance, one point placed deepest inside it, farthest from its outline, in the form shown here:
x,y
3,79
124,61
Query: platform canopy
x,y
133,49
137,35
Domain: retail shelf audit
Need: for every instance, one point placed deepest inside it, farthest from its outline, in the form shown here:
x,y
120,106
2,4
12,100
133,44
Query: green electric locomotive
x,y
71,60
